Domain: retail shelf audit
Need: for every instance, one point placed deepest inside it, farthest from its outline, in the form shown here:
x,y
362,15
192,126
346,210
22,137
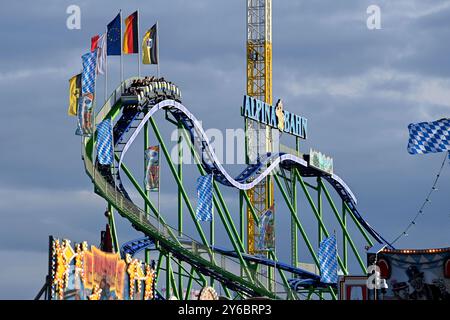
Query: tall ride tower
x,y
259,86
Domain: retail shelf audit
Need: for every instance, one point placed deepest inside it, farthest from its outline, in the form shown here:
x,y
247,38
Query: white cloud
x,y
423,92
27,74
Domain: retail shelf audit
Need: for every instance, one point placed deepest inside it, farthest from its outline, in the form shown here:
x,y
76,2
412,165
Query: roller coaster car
x,y
131,100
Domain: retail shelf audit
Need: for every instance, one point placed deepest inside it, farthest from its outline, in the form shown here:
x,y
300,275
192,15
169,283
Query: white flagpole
x,y
139,49
106,64
157,46
159,186
121,59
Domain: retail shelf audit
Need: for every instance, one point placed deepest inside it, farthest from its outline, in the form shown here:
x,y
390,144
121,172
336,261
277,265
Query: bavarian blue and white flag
x,y
429,137
105,150
205,198
86,101
328,260
89,62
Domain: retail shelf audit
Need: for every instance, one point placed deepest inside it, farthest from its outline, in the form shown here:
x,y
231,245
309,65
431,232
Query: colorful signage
x,y
413,274
274,116
78,273
320,161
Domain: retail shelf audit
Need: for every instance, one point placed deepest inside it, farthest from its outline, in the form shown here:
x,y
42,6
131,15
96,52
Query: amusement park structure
x,y
237,266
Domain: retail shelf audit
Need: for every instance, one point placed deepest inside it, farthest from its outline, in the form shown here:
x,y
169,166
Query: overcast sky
x,y
359,89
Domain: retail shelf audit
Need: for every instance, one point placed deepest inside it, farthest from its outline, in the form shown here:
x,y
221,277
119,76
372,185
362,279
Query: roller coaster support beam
x,y
358,224
344,237
180,204
294,237
146,199
241,220
189,206
168,271
173,281
318,217
189,284
300,227
146,146
343,226
291,293
232,232
297,221
179,183
112,226
319,209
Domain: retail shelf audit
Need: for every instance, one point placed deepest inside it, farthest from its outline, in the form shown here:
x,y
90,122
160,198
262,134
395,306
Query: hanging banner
x,y
86,101
105,149
152,169
78,273
328,260
204,210
413,274
265,238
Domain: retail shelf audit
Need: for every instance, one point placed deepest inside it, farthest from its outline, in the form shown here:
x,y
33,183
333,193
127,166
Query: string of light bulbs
x,y
427,200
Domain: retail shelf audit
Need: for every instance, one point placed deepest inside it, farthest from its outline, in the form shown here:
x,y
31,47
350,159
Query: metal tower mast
x,y
259,85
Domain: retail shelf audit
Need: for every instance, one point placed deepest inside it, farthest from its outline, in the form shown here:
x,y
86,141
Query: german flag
x,y
130,38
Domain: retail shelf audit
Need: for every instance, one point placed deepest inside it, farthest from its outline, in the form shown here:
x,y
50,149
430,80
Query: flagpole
x,y
106,64
159,187
121,59
157,46
139,49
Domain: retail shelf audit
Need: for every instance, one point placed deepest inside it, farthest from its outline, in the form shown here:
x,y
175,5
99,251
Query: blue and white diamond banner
x,y
205,198
429,137
86,101
89,61
328,260
105,151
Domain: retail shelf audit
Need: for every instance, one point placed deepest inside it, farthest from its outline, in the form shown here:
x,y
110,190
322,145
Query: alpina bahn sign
x,y
275,116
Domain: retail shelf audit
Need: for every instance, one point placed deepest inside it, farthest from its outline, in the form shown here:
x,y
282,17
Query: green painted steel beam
x,y
358,225
318,217
189,284
294,233
144,197
180,184
343,226
113,229
344,238
297,222
319,209
168,270
174,285
185,197
180,203
291,293
231,232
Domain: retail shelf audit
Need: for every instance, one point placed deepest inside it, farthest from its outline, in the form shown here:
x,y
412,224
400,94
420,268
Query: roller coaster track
x,y
183,248
254,173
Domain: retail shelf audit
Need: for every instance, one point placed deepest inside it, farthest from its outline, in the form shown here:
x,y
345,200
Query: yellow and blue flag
x,y
74,94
